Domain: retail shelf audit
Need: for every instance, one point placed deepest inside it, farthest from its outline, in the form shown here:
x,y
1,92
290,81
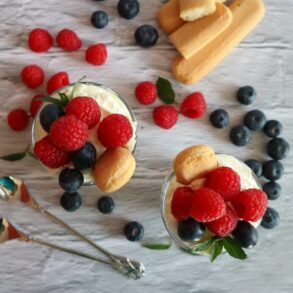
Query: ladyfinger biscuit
x,y
246,15
193,36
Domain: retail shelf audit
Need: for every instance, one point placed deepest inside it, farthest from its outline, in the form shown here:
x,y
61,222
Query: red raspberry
x,y
250,204
207,205
17,119
40,40
181,203
114,131
57,81
68,40
35,104
96,54
165,116
32,76
51,155
224,225
69,133
146,92
85,109
225,181
194,106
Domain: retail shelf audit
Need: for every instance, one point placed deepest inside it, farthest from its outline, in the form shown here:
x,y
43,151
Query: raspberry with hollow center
x,y
35,104
96,54
194,106
32,76
165,116
68,40
18,119
40,40
57,81
146,92
181,203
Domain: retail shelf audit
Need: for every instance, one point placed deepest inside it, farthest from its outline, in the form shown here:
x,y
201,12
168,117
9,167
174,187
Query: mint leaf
x,y
75,85
13,157
51,100
157,246
204,245
64,99
217,248
233,248
165,91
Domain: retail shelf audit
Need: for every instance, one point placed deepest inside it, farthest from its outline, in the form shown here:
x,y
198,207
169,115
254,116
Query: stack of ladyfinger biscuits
x,y
205,31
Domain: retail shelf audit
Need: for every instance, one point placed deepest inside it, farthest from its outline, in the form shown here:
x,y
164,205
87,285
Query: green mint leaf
x,y
13,157
51,100
233,248
157,246
204,245
75,85
64,99
217,248
165,91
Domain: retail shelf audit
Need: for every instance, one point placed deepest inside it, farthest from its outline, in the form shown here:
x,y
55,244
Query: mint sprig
x,y
233,248
165,90
157,246
52,101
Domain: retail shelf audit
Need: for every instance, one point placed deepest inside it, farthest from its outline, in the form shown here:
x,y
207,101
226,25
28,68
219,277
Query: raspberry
x,y
165,116
68,40
40,40
17,119
51,155
207,205
57,81
114,131
224,225
146,92
35,104
181,203
194,106
250,204
85,109
96,54
69,133
225,181
32,76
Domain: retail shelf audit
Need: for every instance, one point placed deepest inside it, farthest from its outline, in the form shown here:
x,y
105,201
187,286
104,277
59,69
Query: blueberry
x,y
246,95
133,231
278,148
219,118
255,120
49,114
273,128
146,36
1,224
190,230
70,179
255,166
240,135
245,234
128,8
105,204
70,201
272,189
99,19
273,170
85,157
271,219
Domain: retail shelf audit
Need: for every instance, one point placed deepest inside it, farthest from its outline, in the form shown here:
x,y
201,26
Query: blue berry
x,y
105,204
278,148
99,19
133,231
85,157
255,166
70,201
49,114
128,8
255,120
272,189
190,230
273,170
240,135
146,36
246,95
273,128
219,118
271,219
70,179
1,224
245,234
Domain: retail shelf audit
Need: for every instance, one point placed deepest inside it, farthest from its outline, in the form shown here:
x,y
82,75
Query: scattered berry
x,y
273,170
181,203
69,133
70,201
250,204
272,189
85,157
245,234
278,148
133,231
240,135
255,166
115,131
207,205
220,118
40,40
271,219
49,114
32,76
70,180
190,230
146,36
106,204
128,8
96,54
273,128
255,120
99,19
146,92
18,119
57,81
50,155
246,95
194,106
224,181
165,116
35,104
68,40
